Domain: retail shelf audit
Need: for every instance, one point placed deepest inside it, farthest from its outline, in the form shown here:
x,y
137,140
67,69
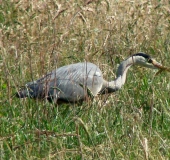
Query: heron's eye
x,y
149,60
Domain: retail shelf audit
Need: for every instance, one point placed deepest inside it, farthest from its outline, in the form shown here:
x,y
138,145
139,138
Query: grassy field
x,y
38,36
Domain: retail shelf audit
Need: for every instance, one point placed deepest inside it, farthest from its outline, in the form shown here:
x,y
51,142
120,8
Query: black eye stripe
x,y
149,60
142,55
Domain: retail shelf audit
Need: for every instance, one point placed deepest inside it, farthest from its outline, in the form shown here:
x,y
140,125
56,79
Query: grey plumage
x,y
66,83
73,82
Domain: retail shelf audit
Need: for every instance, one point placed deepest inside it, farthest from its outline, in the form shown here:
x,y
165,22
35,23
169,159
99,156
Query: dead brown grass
x,y
41,34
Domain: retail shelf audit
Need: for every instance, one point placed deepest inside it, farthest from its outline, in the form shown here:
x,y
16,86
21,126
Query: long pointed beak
x,y
160,67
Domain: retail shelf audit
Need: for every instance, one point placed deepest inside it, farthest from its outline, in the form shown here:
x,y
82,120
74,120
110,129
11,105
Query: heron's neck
x,y
121,75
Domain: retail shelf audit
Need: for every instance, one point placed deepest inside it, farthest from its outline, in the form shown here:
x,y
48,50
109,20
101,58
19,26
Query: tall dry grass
x,y
41,35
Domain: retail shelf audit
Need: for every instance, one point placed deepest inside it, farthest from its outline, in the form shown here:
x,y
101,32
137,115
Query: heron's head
x,y
142,59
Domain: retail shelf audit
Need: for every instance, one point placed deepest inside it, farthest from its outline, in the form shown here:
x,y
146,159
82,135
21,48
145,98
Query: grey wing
x,y
70,83
67,83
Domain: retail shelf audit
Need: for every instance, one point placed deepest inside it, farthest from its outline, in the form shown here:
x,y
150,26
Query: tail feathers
x,y
32,91
22,93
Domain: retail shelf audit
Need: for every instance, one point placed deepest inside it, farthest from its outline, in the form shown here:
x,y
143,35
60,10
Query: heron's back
x,y
68,83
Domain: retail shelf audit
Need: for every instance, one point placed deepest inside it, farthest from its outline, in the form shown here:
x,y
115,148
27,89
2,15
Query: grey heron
x,y
71,83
